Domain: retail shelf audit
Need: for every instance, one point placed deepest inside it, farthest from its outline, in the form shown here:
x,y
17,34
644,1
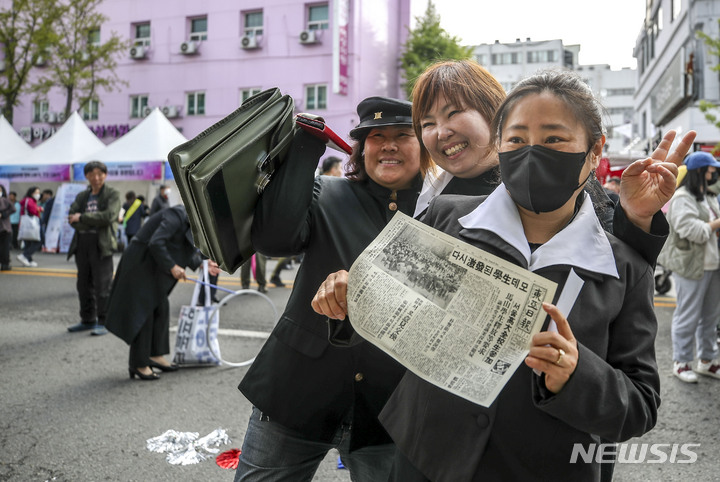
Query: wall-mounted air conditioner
x,y
249,42
49,117
171,111
146,111
189,47
138,52
308,37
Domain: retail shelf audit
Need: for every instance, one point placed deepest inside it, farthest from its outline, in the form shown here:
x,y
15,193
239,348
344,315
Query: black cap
x,y
379,112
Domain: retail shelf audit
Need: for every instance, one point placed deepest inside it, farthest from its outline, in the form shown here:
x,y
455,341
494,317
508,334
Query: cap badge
x,y
378,115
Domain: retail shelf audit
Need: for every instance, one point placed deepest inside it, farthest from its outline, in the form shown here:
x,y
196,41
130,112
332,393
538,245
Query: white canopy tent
x,y
72,142
50,162
148,142
13,146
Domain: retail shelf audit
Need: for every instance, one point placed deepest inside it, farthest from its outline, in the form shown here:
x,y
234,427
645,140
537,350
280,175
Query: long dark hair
x,y
695,182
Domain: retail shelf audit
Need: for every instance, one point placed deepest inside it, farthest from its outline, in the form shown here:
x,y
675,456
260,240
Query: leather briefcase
x,y
222,171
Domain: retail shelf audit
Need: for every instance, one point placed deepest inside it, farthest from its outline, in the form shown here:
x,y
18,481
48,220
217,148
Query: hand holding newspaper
x,y
456,316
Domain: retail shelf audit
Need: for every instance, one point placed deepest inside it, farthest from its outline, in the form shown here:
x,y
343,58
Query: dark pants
x,y
260,262
31,247
15,242
5,240
213,280
153,339
94,278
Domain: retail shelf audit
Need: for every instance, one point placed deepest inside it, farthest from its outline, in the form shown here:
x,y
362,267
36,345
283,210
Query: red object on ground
x,y
228,459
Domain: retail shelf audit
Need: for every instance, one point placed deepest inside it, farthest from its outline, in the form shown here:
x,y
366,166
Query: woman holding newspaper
x,y
595,377
308,395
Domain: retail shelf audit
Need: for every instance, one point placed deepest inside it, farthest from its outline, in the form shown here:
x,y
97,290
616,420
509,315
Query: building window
x,y
245,94
90,110
316,96
40,108
542,56
505,59
142,34
253,23
138,103
93,38
676,8
198,28
317,17
481,59
195,103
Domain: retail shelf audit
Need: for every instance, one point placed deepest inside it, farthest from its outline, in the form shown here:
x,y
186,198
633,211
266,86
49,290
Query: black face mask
x,y
541,179
713,178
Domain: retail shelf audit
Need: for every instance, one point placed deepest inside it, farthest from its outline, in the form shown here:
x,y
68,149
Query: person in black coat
x,y
150,267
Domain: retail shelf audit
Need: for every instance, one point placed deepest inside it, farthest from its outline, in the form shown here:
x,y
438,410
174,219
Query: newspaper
x,y
453,314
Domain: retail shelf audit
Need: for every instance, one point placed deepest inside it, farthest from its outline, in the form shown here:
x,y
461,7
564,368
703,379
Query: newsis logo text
x,y
634,453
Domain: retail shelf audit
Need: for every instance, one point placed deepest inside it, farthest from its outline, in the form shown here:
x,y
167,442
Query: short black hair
x,y
329,163
90,166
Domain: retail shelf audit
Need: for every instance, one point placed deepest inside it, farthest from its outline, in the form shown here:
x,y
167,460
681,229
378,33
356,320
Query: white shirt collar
x,y
582,243
433,184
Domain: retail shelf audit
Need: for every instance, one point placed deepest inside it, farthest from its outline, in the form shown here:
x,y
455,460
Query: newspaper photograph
x,y
455,315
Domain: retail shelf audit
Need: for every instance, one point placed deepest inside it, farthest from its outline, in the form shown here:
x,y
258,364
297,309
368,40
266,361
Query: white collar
x,y
582,243
433,184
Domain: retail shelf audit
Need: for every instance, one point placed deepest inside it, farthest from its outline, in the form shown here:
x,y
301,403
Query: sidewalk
x,y
58,262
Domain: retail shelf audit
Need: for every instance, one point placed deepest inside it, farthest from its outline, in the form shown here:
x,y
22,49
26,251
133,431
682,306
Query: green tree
x,y
81,65
428,43
26,33
708,108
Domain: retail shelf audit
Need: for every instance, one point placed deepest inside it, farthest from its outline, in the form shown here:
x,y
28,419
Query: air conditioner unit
x,y
188,48
49,117
137,52
308,37
41,61
60,116
146,111
171,111
249,42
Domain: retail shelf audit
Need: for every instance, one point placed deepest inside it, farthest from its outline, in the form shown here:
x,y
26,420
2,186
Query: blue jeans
x,y
272,453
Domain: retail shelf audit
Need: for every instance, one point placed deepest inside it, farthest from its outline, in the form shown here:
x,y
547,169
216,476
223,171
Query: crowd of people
x,y
512,174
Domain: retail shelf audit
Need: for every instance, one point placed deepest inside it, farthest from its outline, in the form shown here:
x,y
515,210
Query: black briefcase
x,y
221,172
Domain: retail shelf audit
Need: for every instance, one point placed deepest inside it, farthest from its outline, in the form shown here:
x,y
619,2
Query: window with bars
x,y
316,96
253,23
198,28
195,103
138,103
318,17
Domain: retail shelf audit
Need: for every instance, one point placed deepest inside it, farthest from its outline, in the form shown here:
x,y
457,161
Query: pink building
x,y
199,60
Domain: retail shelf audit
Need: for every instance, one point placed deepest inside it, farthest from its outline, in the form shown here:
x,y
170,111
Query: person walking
x,y
691,252
161,201
94,216
150,267
15,219
31,246
260,262
7,208
135,212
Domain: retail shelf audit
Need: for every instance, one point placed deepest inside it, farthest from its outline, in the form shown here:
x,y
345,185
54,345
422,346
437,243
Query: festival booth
x,y
138,160
49,166
13,147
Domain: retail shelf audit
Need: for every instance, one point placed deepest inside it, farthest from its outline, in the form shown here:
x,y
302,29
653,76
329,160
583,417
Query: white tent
x,y
13,146
72,142
150,141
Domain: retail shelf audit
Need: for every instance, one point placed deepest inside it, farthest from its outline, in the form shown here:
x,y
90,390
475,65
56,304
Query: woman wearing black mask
x,y
692,254
595,377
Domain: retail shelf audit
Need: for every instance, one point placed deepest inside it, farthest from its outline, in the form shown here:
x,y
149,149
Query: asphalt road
x,y
69,412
